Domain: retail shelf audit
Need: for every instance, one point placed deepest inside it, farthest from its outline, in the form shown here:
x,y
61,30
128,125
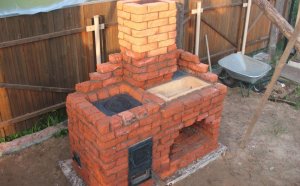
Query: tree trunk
x,y
274,16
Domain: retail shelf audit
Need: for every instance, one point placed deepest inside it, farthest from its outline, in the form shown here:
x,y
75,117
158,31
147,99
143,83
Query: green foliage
x,y
278,129
294,12
297,92
47,120
61,133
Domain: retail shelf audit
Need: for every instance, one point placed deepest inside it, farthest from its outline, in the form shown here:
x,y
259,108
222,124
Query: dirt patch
x,y
271,158
36,166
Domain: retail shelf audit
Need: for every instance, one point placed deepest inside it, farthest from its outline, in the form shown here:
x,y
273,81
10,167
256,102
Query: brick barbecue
x,y
120,133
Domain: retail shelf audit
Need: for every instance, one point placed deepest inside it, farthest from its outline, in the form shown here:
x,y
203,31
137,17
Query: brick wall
x,y
147,35
148,57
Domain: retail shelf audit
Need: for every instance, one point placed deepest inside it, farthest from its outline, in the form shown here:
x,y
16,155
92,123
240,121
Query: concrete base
x,y
200,163
69,172
294,64
32,139
75,180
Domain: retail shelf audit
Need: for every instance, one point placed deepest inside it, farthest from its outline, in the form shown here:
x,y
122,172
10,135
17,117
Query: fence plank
x,y
36,88
31,115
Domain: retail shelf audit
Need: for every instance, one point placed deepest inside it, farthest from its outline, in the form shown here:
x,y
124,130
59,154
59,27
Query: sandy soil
x,y
271,158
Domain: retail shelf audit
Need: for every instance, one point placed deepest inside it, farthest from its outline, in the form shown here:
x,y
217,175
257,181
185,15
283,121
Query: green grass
x,y
297,92
61,133
278,129
45,121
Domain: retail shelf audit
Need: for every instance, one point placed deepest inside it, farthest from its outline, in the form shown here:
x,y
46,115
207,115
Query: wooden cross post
x,y
96,29
198,11
278,69
244,43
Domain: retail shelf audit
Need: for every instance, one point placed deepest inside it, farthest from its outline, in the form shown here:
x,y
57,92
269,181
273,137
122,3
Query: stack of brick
x,y
107,74
147,32
191,64
201,109
102,141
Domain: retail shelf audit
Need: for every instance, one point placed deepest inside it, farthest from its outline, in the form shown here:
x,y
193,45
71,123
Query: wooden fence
x,y
223,22
43,56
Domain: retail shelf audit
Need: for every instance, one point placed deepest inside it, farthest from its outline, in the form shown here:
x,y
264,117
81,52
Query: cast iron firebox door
x,y
140,162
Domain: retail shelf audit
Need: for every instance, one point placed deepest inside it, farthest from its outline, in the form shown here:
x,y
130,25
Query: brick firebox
x,y
182,130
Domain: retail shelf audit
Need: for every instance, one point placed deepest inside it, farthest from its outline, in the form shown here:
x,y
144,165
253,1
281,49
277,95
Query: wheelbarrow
x,y
248,73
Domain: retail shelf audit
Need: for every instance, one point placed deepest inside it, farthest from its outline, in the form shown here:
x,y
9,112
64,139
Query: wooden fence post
x,y
246,26
198,23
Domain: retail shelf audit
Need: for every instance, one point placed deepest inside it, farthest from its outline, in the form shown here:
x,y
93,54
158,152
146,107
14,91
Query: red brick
x,y
222,88
147,183
135,8
115,58
183,63
95,84
135,40
135,55
102,94
99,76
83,87
139,112
118,72
201,68
145,61
124,43
143,33
102,127
210,77
172,34
172,108
145,48
113,90
158,51
169,13
111,81
92,97
167,28
218,99
135,25
123,14
167,56
135,69
107,67
172,48
158,22
158,37
134,82
187,56
124,29
202,116
144,17
166,43
157,6
127,117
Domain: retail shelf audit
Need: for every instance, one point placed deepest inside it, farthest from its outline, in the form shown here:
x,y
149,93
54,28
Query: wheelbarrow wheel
x,y
259,88
227,80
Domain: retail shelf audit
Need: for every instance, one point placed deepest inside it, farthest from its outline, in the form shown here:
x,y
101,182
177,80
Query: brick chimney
x,y
147,34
